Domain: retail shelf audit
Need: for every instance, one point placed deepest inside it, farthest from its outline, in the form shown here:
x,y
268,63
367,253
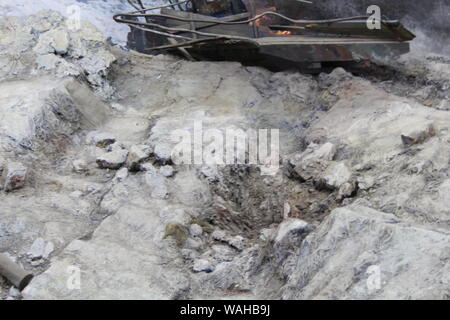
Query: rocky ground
x,y
358,209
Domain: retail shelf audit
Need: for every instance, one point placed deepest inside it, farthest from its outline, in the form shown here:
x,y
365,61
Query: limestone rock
x,y
53,41
195,230
202,265
137,155
113,160
37,249
167,171
366,182
79,166
15,176
157,184
122,174
101,139
336,175
418,136
324,258
313,160
289,226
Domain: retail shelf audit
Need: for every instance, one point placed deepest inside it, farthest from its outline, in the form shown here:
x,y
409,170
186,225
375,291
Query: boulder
x,y
334,261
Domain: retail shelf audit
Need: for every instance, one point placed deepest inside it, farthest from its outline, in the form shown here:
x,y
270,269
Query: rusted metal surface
x,y
253,30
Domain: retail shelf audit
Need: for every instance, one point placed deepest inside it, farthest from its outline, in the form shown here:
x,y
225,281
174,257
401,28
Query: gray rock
x,y
113,160
53,41
365,182
137,155
237,242
49,248
418,136
80,166
336,175
163,152
14,293
195,230
219,235
194,244
329,269
101,139
313,160
289,226
37,249
167,171
202,265
346,190
157,185
122,174
15,176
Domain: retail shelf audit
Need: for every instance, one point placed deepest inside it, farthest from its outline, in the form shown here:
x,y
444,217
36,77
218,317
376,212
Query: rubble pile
x,y
90,182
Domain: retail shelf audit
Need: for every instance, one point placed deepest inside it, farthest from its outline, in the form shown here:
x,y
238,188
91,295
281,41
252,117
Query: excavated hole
x,y
245,202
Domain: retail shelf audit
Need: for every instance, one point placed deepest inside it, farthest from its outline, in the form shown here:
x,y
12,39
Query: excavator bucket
x,y
260,32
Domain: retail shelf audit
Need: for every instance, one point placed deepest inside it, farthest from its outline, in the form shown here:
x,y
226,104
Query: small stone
x,y
210,173
336,175
15,176
122,174
195,230
366,182
290,226
219,235
37,249
53,41
38,262
148,167
202,265
418,136
237,242
157,184
14,293
112,160
193,244
100,139
347,190
166,171
163,152
137,155
79,166
326,152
